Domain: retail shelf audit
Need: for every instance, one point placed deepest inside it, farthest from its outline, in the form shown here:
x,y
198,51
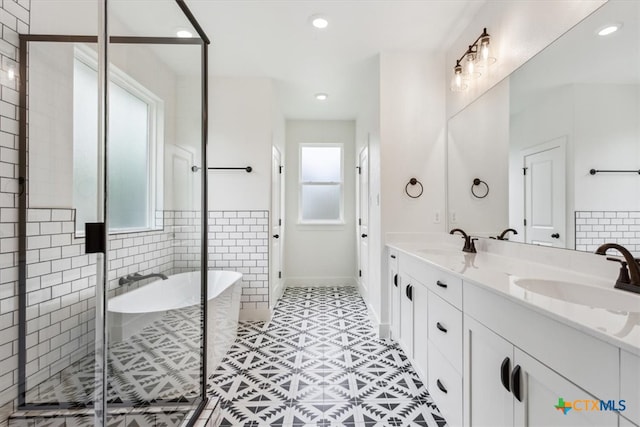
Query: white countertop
x,y
618,324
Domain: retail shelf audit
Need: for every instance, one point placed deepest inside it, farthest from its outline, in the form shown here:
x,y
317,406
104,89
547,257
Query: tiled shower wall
x,y
594,228
238,241
14,19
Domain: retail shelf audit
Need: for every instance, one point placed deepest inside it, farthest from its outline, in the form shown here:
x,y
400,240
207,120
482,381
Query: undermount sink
x,y
576,293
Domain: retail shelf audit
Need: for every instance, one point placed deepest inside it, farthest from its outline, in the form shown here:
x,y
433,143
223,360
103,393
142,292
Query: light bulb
x,y
457,84
11,73
484,51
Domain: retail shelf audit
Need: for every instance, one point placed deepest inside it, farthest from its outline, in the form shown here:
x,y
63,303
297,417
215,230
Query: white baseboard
x,y
384,330
320,281
256,314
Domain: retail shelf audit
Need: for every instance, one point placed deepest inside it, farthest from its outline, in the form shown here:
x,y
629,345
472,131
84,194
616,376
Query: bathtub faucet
x,y
125,280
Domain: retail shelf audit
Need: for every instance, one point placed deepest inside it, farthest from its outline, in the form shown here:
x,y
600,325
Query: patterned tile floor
x,y
319,363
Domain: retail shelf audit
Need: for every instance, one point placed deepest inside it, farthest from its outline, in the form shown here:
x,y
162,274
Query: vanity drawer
x,y
445,386
630,385
445,329
447,286
444,284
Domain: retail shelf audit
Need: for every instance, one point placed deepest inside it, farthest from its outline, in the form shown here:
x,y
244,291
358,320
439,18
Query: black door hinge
x,y
279,274
359,170
524,171
280,221
359,221
359,273
525,222
280,169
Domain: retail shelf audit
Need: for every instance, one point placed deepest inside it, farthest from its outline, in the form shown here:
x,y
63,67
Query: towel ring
x,y
477,182
413,181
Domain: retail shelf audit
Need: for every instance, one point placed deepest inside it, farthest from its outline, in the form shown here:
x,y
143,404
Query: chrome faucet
x,y
135,277
628,279
469,243
504,233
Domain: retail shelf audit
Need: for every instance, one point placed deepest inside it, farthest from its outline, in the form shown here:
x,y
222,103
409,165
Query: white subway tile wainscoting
x,y
593,228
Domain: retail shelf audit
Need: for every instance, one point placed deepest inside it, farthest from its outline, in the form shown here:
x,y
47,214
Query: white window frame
x,y
301,184
155,132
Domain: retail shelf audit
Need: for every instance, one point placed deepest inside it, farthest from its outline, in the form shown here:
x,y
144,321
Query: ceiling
x,y
274,39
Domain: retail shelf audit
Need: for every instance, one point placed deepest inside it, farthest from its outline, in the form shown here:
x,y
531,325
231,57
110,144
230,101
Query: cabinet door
x,y
541,388
406,316
420,343
487,402
395,286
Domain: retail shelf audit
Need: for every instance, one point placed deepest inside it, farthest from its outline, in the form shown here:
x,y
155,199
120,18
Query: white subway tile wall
x,y
594,228
238,241
14,19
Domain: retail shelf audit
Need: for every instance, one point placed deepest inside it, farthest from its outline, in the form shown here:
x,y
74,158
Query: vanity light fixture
x,y
319,21
321,96
470,65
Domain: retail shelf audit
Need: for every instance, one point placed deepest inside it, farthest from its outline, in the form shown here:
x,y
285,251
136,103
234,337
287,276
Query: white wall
x,y
51,125
606,136
479,148
241,129
412,140
411,144
320,254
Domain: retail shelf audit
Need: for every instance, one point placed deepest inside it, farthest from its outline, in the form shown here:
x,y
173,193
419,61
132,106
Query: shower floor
x,y
159,365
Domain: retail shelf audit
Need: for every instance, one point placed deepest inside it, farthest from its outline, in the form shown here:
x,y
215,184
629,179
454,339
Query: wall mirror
x,y
557,142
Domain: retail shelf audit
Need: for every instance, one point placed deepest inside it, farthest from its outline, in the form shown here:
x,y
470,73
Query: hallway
x,y
318,362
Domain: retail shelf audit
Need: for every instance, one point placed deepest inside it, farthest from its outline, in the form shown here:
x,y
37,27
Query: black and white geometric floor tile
x,y
318,362
159,364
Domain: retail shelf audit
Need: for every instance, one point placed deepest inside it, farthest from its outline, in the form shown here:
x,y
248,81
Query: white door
x,y
182,180
488,362
545,194
363,218
276,227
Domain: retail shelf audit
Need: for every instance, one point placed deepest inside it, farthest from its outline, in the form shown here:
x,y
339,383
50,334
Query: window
x,y
321,184
134,148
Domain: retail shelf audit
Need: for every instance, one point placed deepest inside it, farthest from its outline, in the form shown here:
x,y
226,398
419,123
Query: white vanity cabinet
x,y
507,387
489,360
413,319
518,363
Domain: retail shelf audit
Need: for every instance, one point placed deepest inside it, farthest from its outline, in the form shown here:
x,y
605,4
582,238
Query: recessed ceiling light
x,y
319,21
609,29
184,34
321,96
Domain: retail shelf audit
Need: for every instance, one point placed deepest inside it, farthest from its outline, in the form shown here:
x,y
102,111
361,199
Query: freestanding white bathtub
x,y
132,311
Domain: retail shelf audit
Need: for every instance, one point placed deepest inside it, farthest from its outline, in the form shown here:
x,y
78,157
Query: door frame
x,y
359,255
276,282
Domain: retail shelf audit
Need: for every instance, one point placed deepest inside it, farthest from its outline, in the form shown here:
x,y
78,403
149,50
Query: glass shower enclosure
x,y
111,211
